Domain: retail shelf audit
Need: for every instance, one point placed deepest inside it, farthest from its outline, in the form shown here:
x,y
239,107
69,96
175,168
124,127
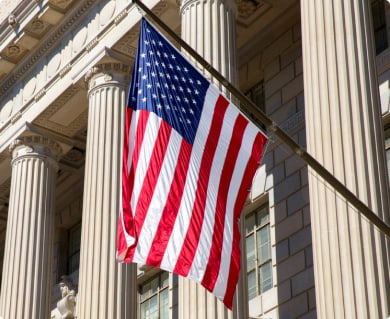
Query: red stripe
x,y
212,270
151,177
130,165
127,214
171,209
191,240
250,170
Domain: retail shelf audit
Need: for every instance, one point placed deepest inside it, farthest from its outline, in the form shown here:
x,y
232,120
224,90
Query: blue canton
x,y
165,83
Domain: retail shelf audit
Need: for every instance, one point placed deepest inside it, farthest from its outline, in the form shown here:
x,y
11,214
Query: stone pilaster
x,y
209,27
107,289
344,132
26,278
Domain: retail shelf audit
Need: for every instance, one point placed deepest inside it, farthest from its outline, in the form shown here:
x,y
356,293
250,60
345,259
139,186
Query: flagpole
x,y
250,107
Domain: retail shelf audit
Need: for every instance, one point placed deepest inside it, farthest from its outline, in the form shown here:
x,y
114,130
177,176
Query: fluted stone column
x,y
26,278
344,132
107,289
209,27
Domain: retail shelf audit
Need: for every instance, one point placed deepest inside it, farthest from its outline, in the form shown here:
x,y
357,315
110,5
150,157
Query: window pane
x,y
252,285
164,280
262,215
263,244
250,252
250,222
265,277
164,304
149,308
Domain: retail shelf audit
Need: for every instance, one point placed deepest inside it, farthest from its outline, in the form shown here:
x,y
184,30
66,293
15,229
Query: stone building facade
x,y
319,68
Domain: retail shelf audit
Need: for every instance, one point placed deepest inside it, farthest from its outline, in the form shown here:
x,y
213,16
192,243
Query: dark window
x,y
379,21
74,248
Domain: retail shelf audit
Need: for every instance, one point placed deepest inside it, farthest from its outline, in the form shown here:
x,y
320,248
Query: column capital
x,y
31,146
186,3
108,73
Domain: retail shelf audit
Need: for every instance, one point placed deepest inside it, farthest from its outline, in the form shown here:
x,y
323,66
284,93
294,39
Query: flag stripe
x,y
214,261
231,219
252,165
190,243
186,205
171,209
153,161
160,195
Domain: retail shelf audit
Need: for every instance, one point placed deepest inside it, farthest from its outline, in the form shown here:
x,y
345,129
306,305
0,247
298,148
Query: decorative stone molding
x,y
12,20
44,119
35,146
40,52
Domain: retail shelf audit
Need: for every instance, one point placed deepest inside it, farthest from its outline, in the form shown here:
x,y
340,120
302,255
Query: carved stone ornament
x,y
108,72
66,306
12,20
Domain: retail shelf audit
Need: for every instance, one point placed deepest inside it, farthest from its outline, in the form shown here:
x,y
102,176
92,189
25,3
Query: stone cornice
x,y
46,46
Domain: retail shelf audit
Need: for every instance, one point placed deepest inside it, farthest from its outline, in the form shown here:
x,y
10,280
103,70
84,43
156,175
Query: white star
x,y
143,55
158,53
167,107
140,70
193,101
159,106
133,98
176,78
173,57
151,52
173,87
181,89
196,92
144,99
183,110
154,42
189,90
166,85
163,65
186,100
191,81
178,98
163,96
139,91
188,121
184,79
153,74
144,77
146,42
160,43
147,30
165,55
185,70
192,111
149,86
148,64
197,81
168,76
170,66
178,68
156,63
181,121
154,96
158,84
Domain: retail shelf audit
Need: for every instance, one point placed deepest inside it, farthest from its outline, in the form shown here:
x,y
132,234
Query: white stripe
x,y
131,134
184,214
159,198
199,263
238,174
151,133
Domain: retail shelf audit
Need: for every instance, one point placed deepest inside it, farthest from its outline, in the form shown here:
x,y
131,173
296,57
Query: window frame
x,y
259,264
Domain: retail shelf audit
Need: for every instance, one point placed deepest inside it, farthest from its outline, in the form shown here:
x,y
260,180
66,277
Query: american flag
x,y
188,163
